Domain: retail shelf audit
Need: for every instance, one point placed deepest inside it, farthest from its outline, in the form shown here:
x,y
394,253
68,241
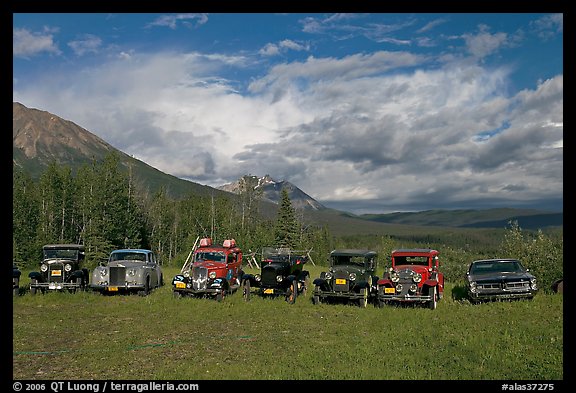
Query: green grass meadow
x,y
82,336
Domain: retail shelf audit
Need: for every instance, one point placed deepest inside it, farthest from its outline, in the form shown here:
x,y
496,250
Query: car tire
x,y
316,298
177,294
363,302
305,285
246,290
291,298
146,289
432,304
220,296
33,290
16,289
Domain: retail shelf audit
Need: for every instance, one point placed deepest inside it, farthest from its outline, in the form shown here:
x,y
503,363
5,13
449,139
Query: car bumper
x,y
55,285
500,295
405,298
117,288
342,295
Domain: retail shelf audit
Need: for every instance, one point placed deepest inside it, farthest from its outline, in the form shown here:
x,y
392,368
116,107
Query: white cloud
x,y
26,43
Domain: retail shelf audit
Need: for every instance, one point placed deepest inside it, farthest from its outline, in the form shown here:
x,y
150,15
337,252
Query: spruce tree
x,y
287,228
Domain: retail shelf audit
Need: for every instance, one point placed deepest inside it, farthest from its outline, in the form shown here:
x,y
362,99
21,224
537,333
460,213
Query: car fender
x,y
249,277
35,276
77,274
385,282
303,274
320,282
430,283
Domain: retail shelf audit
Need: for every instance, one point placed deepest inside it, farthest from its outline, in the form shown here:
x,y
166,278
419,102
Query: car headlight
x,y
328,275
473,286
212,275
533,284
43,267
413,288
187,273
131,272
258,278
399,288
67,267
416,277
279,278
394,276
352,276
103,272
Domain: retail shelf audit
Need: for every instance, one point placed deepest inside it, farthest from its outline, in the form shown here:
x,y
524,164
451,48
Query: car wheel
x,y
434,302
16,289
363,302
220,296
291,298
316,298
305,284
177,294
146,289
33,290
246,290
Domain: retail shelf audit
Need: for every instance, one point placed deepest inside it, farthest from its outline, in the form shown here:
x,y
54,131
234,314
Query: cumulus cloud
x,y
88,43
26,43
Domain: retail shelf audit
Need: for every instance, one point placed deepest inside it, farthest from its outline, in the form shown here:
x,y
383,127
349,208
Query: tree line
x,y
103,207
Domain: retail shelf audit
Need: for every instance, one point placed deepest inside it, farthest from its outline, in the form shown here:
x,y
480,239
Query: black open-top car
x,y
499,279
61,268
281,274
350,277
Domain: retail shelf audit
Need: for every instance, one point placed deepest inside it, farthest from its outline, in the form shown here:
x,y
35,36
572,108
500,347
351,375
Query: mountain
x,y
272,189
40,137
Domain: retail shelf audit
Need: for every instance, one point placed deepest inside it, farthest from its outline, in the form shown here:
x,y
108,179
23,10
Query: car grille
x,y
117,275
516,285
199,278
269,277
341,287
56,266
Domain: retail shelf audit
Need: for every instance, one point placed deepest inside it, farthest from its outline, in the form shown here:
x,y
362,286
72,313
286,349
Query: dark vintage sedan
x,y
499,279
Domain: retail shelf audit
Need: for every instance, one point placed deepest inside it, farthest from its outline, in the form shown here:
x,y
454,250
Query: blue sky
x,y
367,113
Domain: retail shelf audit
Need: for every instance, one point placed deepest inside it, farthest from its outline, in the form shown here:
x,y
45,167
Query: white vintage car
x,y
128,270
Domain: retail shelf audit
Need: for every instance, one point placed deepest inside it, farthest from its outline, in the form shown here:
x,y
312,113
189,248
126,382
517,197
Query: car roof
x,y
353,252
64,246
496,260
415,251
136,250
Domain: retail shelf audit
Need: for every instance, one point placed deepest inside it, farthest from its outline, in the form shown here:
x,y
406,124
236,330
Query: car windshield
x,y
62,253
357,260
128,256
216,256
496,267
411,260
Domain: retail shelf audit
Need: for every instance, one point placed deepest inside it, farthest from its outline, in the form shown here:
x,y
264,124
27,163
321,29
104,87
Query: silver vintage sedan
x,y
128,270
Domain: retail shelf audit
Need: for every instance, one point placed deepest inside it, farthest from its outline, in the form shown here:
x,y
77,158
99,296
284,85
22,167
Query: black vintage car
x,y
350,277
60,269
16,273
499,279
281,274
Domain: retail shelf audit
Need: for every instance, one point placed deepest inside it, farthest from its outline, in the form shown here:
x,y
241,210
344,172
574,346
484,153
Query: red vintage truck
x,y
214,271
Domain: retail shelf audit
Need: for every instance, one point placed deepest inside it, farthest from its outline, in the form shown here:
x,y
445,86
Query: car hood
x,y
500,277
125,264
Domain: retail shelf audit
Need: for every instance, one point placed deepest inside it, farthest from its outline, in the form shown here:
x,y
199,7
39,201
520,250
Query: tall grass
x,y
89,336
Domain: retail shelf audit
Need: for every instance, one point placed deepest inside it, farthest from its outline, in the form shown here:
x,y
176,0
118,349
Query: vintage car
x,y
350,277
60,269
281,274
414,277
499,279
213,271
16,273
131,270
